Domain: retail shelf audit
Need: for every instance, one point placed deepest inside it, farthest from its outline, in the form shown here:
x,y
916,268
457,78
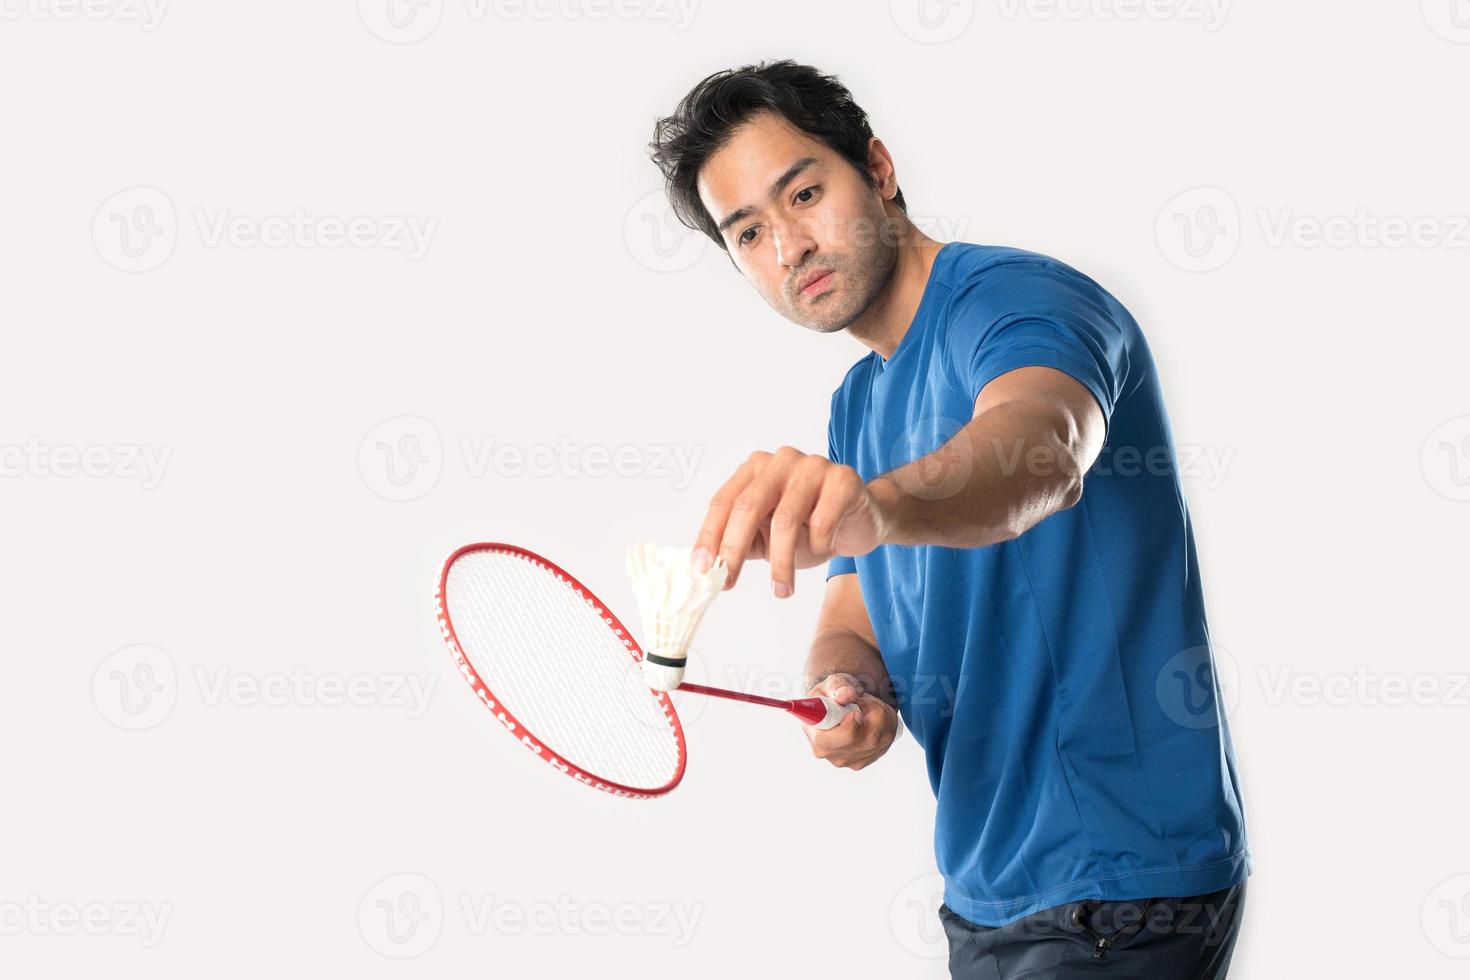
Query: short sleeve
x,y
840,564
1042,316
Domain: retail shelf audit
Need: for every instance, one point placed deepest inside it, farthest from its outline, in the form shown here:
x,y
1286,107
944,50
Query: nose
x,y
793,244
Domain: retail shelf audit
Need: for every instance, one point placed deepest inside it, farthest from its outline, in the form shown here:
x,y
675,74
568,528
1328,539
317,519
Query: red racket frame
x,y
509,720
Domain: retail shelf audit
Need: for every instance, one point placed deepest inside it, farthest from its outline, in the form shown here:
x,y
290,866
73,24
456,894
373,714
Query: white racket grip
x,y
835,713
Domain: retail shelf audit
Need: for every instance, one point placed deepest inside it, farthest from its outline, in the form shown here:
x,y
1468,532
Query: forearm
x,y
1006,470
842,651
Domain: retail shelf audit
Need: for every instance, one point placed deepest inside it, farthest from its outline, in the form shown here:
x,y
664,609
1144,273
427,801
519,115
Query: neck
x,y
887,319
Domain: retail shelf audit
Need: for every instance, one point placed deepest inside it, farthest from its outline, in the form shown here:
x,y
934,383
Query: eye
x,y
744,238
810,193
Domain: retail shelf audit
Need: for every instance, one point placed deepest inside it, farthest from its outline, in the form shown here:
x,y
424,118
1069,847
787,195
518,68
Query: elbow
x,y
1070,494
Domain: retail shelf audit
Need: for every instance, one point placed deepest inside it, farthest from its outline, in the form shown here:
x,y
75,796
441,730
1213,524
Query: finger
x,y
842,491
707,542
838,740
789,520
840,687
749,511
844,734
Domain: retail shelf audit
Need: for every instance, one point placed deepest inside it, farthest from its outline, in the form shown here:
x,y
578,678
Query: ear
x,y
880,165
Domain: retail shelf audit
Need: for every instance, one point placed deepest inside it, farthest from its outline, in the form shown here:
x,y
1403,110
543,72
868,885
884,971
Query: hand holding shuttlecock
x,y
672,599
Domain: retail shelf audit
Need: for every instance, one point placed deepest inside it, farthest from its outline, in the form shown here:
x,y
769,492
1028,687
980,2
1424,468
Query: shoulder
x,y
995,281
855,382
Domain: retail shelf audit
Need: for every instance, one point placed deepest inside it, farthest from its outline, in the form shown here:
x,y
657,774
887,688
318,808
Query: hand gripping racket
x,y
564,675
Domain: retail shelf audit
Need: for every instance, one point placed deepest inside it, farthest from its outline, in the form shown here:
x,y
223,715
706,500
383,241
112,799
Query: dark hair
x,y
815,103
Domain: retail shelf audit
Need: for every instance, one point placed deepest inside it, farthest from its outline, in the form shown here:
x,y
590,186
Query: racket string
x,y
550,657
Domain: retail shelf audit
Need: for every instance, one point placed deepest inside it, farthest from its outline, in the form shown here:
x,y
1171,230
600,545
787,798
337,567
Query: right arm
x,y
845,665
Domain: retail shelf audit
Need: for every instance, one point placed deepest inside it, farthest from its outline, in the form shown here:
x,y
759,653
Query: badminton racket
x,y
563,674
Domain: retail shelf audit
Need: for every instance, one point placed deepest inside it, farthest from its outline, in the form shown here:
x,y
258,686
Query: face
x,y
800,223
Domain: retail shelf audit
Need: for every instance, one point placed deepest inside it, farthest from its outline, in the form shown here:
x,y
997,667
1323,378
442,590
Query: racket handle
x,y
821,712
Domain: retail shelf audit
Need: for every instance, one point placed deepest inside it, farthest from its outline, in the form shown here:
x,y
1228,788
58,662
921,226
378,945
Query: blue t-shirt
x,y
1060,684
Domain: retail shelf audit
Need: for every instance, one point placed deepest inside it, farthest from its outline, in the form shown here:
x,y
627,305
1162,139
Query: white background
x,y
556,305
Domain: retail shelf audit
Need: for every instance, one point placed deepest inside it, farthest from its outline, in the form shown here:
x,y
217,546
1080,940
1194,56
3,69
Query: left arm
x,y
1021,458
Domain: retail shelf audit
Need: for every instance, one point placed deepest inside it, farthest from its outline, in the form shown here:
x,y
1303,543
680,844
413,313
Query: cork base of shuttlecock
x,y
662,677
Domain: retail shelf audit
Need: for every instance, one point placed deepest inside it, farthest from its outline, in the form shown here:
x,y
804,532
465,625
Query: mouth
x,y
818,282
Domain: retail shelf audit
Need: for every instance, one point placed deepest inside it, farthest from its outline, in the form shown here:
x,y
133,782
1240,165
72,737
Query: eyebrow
x,y
792,172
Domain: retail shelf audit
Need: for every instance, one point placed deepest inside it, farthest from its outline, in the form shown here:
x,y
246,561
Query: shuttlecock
x,y
672,598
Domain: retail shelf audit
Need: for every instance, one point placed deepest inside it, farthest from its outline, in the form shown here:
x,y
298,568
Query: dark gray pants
x,y
1151,939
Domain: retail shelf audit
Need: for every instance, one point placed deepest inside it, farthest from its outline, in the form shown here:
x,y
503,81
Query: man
x,y
1010,564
